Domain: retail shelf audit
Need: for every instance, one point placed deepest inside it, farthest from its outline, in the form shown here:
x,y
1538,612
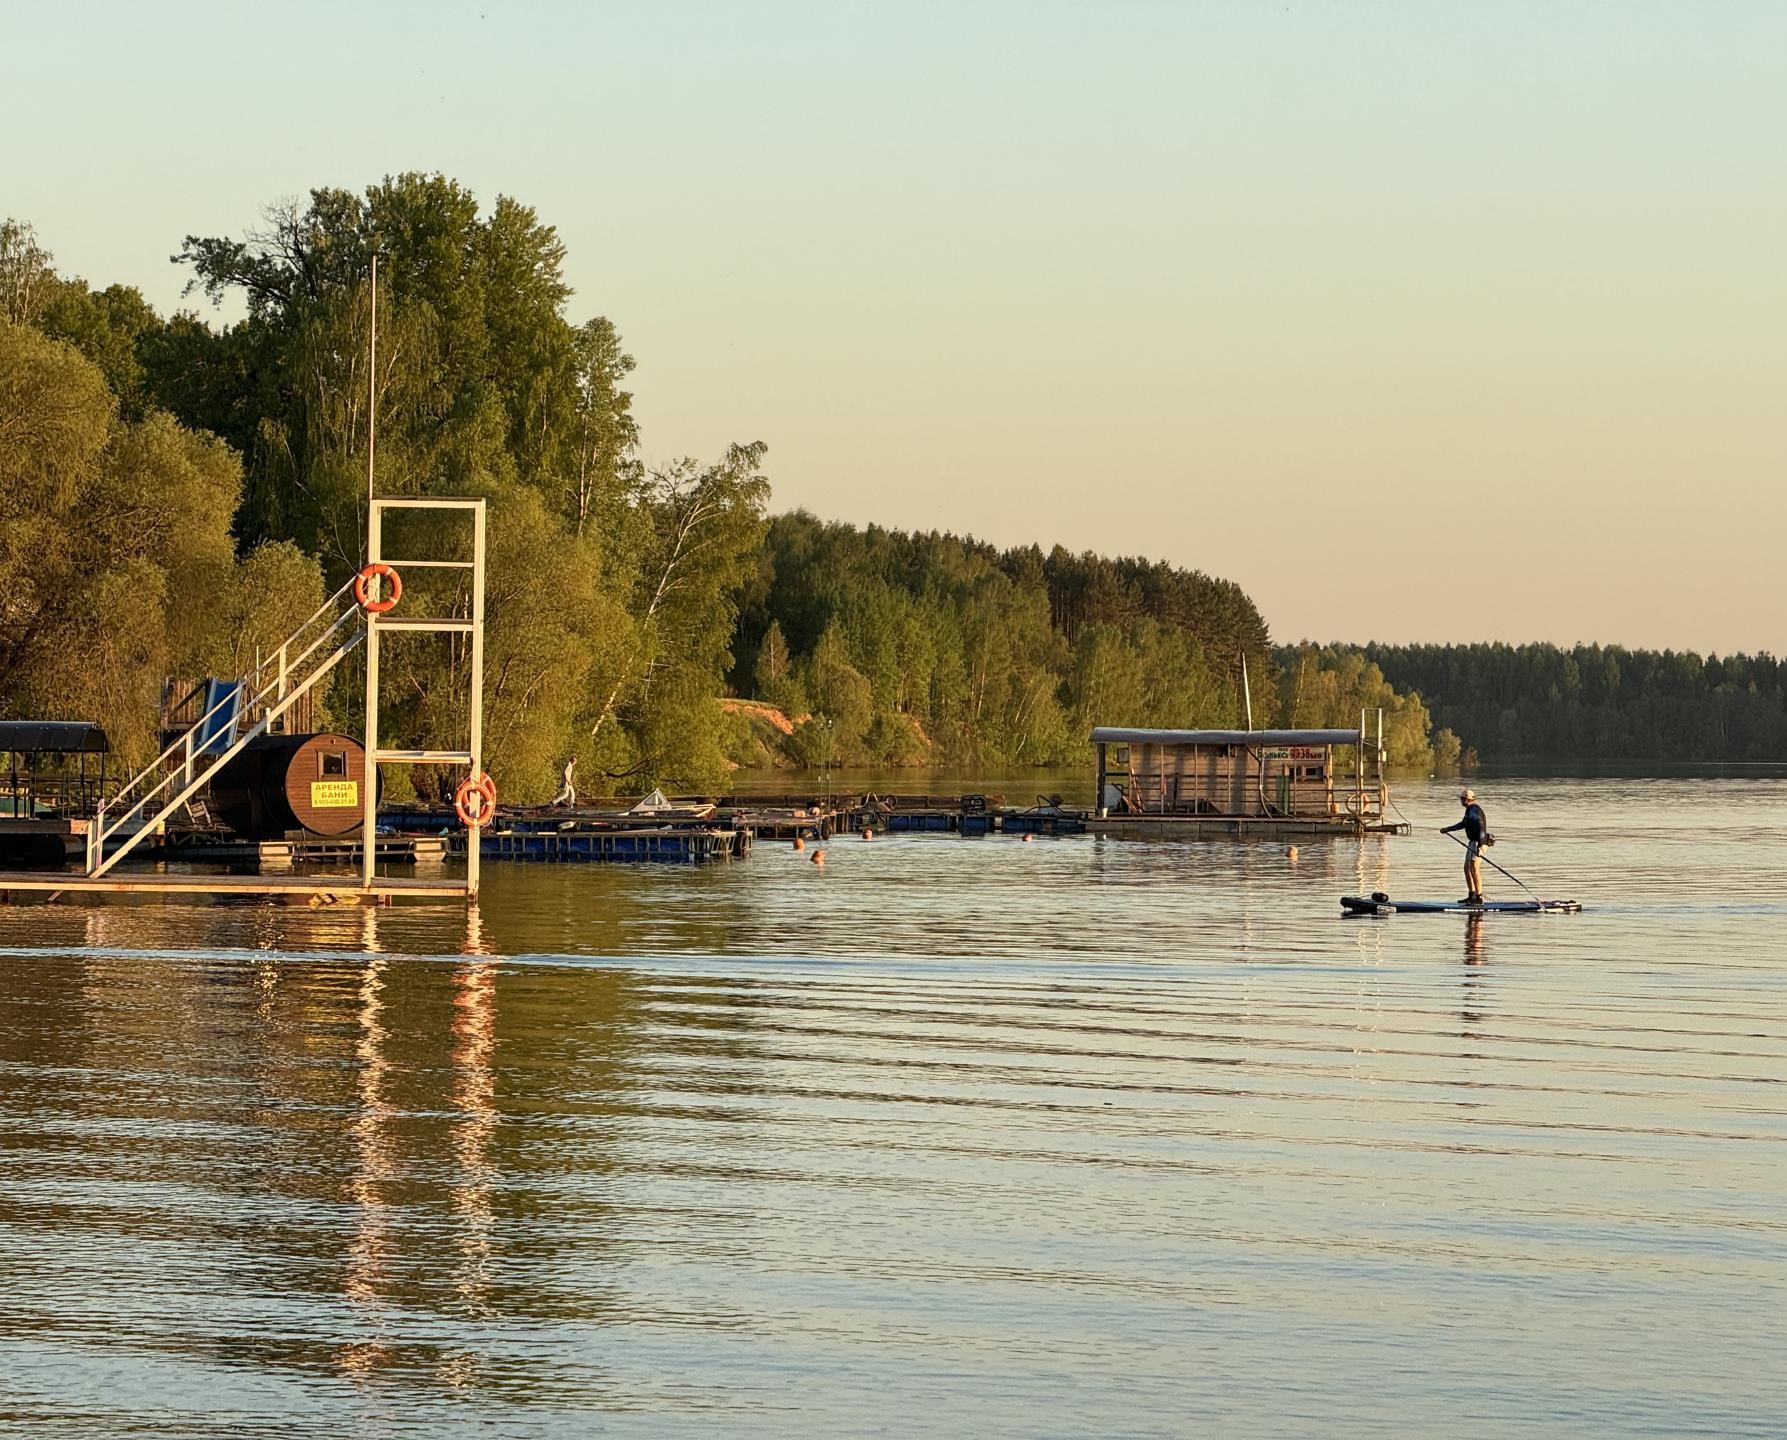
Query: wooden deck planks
x,y
333,887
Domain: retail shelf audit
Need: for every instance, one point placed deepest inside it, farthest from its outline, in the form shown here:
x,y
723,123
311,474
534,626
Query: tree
x,y
26,278
480,380
841,701
700,529
482,387
774,668
110,327
116,536
1106,682
1332,686
601,474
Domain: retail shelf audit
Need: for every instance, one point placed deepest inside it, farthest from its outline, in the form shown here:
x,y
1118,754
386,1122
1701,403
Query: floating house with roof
x,y
1240,782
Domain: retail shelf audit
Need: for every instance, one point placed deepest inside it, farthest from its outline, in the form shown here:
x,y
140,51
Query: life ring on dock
x,y
378,570
474,813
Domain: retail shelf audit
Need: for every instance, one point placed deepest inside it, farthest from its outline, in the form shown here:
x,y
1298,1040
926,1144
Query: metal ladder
x,y
171,780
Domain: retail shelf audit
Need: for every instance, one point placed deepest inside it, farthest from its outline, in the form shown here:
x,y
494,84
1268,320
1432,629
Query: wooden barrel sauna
x,y
281,783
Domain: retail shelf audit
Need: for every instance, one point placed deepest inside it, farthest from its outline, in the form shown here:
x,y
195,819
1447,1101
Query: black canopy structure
x,y
53,737
43,769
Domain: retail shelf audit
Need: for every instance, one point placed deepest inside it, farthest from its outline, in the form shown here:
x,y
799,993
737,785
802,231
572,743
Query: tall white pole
x,y
369,800
372,390
1380,747
1359,762
474,839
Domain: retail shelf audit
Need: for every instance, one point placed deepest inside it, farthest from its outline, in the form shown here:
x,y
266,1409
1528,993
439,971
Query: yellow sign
x,y
335,794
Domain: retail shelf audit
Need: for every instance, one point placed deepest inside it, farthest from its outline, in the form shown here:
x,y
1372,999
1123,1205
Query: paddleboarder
x,y
1476,831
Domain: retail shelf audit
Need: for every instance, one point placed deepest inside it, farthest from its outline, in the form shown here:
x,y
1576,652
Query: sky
x,y
1421,322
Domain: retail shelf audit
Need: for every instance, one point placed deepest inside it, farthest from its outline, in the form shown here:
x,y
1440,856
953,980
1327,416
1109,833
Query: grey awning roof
x,y
52,736
1114,735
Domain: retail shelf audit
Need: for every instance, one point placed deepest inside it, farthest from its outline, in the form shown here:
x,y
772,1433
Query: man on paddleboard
x,y
1476,828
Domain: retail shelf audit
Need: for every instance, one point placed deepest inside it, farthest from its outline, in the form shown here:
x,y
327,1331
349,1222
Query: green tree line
x,y
612,586
176,493
1332,686
1595,702
895,648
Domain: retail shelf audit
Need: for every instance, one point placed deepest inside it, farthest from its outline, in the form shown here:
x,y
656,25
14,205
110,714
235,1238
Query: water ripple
x,y
951,1137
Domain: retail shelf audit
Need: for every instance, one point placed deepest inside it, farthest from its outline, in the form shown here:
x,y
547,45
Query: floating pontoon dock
x,y
134,821
324,889
655,846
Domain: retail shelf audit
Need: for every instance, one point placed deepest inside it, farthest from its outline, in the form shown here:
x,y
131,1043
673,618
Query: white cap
x,y
1467,796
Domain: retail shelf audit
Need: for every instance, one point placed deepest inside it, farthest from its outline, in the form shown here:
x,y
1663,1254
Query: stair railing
x,y
270,700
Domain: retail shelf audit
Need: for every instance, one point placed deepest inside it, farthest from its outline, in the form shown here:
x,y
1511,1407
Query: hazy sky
x,y
1420,321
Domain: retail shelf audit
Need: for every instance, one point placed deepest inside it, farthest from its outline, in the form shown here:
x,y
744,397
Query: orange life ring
x,y
378,570
484,788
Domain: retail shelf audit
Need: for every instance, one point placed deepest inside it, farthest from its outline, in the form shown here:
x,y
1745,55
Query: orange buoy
x,y
799,844
475,801
818,857
393,588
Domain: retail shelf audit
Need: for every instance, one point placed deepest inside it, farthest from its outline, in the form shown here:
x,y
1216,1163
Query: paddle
x,y
1492,865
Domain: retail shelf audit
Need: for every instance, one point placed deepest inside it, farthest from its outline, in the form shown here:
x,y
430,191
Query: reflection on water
x,y
951,1137
1475,979
474,1100
368,1256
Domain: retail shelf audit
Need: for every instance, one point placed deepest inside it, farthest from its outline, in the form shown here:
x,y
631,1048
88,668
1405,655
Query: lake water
x,y
948,1138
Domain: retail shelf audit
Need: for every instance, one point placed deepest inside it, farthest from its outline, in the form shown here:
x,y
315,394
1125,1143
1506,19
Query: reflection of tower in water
x,y
474,943
474,1098
1371,866
369,1251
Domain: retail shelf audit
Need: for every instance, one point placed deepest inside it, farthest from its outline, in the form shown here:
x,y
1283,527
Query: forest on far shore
x,y
176,494
1598,702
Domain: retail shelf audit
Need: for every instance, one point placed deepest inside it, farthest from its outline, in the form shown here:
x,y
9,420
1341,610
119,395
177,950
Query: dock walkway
x,y
323,889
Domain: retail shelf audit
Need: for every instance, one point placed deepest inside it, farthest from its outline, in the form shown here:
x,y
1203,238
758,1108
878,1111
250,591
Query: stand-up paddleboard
x,y
1381,904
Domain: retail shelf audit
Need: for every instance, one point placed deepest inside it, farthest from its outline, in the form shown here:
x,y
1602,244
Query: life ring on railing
x,y
474,802
378,570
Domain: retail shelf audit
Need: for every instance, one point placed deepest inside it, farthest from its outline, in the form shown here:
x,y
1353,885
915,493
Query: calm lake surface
x,y
950,1137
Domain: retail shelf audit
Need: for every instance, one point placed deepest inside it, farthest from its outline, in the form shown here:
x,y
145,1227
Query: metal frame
x,y
164,796
473,756
175,776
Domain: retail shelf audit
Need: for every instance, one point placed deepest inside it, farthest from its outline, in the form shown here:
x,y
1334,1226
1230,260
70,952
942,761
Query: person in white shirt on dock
x,y
567,794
